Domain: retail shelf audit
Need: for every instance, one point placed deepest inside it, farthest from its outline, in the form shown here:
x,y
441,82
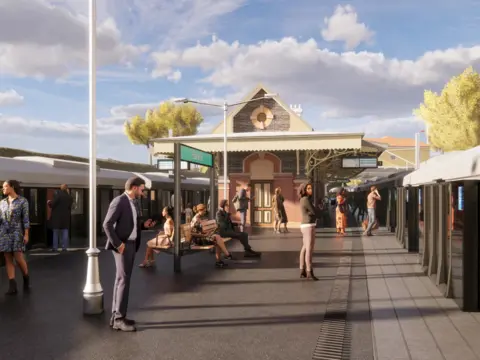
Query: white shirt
x,y
133,235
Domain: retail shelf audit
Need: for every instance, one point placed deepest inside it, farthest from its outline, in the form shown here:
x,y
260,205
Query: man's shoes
x,y
123,325
250,253
128,321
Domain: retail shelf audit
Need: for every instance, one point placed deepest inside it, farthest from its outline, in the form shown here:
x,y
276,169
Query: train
x,y
41,177
434,212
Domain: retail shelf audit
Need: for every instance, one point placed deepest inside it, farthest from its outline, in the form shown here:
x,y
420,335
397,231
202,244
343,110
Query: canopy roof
x,y
452,166
269,141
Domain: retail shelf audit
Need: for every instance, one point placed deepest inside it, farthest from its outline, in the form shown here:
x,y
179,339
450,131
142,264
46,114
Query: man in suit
x,y
123,227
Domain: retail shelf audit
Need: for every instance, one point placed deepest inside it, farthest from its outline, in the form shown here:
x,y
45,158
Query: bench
x,y
187,246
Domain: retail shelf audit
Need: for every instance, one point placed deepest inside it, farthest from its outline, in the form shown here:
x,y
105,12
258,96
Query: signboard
x,y
359,163
195,156
167,164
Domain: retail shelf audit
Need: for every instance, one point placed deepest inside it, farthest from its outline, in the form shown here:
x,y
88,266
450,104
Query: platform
x,y
372,301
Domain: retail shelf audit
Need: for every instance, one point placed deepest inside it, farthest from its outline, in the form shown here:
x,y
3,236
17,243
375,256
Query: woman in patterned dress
x,y
14,233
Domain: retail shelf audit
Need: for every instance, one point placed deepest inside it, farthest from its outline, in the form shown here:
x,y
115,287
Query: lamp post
x,y
417,149
225,107
93,292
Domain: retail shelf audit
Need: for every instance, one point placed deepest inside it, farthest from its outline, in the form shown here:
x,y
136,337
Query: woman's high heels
x,y
310,276
303,274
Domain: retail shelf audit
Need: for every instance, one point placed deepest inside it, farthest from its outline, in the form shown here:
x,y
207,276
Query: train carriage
x,y
41,177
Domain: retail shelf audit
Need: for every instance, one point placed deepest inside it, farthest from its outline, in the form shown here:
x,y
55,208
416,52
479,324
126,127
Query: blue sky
x,y
353,65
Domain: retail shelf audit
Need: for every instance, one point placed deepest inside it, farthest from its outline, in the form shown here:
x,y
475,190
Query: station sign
x,y
195,156
360,163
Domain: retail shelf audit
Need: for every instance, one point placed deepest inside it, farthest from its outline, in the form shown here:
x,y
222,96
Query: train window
x,y
116,193
77,207
33,204
153,195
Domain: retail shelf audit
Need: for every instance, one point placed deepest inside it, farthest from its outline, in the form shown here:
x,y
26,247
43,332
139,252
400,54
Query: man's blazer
x,y
118,224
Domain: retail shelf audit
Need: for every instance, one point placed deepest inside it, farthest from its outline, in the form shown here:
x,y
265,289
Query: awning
x,y
268,141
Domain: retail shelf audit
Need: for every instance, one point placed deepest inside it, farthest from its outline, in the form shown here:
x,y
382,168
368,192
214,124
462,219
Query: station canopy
x,y
324,148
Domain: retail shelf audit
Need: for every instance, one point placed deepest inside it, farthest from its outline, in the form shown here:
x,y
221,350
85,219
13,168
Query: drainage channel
x,y
334,340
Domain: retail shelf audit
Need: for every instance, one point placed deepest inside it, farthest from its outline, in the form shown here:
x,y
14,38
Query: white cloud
x,y
343,26
173,22
10,98
348,84
175,76
41,40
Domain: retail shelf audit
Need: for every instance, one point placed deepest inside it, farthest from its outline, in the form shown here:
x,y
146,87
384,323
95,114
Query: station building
x,y
270,145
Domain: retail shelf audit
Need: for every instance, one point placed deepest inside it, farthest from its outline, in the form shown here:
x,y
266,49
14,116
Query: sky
x,y
359,65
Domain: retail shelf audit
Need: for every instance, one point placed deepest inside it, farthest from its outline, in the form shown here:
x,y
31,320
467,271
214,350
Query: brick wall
x,y
289,161
280,122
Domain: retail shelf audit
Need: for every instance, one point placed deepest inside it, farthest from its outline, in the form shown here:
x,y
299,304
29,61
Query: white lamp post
x,y
225,107
417,149
93,292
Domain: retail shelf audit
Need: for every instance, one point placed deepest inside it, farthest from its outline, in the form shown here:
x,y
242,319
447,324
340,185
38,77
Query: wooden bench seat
x,y
187,246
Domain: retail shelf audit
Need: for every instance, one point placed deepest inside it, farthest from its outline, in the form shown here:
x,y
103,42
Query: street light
x,y
225,107
93,292
417,149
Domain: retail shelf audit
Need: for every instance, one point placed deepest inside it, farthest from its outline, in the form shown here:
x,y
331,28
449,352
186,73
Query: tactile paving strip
x,y
335,336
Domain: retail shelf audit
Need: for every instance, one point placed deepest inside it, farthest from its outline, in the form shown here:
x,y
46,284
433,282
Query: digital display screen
x,y
359,163
460,198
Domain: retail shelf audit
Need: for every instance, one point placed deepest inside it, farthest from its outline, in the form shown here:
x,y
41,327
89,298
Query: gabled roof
x,y
396,142
238,108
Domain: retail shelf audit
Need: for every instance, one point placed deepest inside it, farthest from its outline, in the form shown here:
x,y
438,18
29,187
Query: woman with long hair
x,y
309,221
279,211
14,233
163,238
341,212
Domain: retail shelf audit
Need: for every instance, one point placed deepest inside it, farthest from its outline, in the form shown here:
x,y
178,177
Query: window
x,y
77,207
33,205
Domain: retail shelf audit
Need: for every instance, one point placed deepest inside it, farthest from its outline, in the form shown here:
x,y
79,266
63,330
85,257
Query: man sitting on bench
x,y
227,229
206,237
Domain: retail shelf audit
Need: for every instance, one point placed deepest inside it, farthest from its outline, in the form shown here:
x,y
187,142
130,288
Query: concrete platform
x,y
371,300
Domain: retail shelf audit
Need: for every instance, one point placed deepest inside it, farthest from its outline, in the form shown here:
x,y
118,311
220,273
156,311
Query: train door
x,y
104,204
38,216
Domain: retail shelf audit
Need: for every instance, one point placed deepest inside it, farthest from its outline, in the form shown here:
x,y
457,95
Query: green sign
x,y
195,156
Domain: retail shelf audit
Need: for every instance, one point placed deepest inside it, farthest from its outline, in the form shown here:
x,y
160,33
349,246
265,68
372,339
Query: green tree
x,y
453,117
182,119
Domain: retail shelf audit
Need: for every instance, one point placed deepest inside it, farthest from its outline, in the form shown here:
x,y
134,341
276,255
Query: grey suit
x,y
118,226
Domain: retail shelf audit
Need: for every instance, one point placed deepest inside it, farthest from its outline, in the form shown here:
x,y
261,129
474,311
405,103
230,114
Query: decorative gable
x,y
264,115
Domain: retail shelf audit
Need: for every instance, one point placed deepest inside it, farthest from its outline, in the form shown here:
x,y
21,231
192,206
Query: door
x,y
262,213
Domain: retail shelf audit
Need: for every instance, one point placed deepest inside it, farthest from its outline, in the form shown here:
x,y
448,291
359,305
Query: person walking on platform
x,y
226,229
279,212
341,212
14,233
372,199
123,228
309,221
61,212
241,202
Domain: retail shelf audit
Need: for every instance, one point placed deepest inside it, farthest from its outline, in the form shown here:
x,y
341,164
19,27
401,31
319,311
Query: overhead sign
x,y
359,163
195,156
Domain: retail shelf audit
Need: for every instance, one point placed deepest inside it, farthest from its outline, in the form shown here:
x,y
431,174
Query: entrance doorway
x,y
262,213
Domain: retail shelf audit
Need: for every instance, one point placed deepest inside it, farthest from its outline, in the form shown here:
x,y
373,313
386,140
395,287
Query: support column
x,y
213,194
177,257
433,229
412,241
470,275
442,238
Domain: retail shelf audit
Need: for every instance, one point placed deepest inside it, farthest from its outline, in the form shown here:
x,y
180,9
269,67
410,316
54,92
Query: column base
x,y
93,304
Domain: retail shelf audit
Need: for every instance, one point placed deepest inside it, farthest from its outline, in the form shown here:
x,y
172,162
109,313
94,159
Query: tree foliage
x,y
453,117
182,119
